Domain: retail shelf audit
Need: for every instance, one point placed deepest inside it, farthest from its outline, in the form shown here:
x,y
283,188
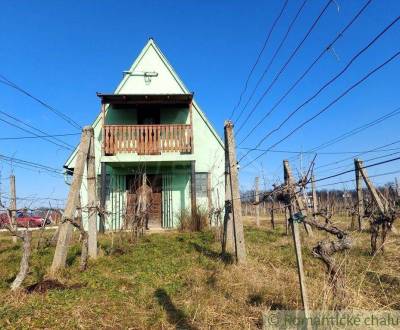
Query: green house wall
x,y
207,153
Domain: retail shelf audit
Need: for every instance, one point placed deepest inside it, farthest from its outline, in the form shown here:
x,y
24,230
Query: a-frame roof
x,y
166,82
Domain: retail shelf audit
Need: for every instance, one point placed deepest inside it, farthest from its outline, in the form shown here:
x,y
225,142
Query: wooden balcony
x,y
147,139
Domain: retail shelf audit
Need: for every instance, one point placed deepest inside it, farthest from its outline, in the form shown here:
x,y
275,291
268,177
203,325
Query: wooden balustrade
x,y
147,139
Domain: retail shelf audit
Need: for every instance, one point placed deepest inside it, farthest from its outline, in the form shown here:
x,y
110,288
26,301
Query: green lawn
x,y
179,280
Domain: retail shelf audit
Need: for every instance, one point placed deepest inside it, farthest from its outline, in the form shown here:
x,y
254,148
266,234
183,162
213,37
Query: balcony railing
x,y
147,139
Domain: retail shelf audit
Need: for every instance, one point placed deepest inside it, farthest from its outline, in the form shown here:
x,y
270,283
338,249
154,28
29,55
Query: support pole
x,y
92,207
236,204
193,190
299,202
13,206
65,227
273,215
103,192
257,199
286,220
360,202
314,197
296,238
374,193
228,240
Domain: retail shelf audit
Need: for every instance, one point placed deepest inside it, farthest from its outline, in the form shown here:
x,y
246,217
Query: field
x,y
179,280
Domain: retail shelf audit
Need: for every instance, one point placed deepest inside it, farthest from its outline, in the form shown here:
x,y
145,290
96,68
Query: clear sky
x,y
65,51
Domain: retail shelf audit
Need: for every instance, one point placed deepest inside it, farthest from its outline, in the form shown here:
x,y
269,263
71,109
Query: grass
x,y
178,280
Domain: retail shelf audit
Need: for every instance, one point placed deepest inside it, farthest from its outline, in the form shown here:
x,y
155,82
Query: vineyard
x,y
179,279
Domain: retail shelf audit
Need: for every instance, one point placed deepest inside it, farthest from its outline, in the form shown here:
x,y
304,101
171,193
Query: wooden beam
x,y
103,131
65,228
13,206
314,197
191,127
257,199
103,192
360,199
193,188
298,200
92,204
370,186
296,238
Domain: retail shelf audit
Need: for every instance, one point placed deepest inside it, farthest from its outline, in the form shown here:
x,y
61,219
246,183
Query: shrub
x,y
198,222
184,220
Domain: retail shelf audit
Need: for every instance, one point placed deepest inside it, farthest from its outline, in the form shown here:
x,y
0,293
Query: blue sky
x,y
66,51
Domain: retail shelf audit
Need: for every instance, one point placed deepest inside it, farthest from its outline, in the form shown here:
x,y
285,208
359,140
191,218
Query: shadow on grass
x,y
226,258
175,315
72,255
47,285
14,247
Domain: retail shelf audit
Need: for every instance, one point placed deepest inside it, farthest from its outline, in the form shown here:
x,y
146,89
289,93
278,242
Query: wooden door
x,y
156,205
155,212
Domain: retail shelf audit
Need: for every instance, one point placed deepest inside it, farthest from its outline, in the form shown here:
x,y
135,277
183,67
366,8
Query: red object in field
x,y
25,220
29,220
4,220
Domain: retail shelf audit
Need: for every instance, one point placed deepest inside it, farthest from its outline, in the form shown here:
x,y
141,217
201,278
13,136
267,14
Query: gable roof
x,y
172,84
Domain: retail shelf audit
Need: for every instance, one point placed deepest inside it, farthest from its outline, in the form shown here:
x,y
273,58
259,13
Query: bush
x,y
198,222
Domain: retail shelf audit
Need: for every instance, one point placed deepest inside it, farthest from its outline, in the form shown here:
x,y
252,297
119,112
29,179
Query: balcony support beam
x,y
193,188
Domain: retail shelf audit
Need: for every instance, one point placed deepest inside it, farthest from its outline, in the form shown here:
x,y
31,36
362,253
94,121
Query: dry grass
x,y
198,222
179,279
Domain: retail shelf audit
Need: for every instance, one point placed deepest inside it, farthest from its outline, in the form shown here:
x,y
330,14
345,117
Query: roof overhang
x,y
180,100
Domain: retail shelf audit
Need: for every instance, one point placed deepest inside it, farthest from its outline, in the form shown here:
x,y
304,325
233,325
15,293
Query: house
x,y
152,127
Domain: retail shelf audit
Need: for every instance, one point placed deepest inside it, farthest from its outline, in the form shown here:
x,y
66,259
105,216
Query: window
x,y
201,185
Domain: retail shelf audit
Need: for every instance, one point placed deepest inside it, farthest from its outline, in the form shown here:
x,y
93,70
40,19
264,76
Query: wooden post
x,y
13,206
92,205
296,238
191,127
286,220
228,241
360,202
65,227
374,193
299,201
103,131
26,236
257,200
314,197
236,204
273,215
378,198
103,192
193,189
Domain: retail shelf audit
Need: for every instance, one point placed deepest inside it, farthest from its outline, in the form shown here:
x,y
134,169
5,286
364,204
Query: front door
x,y
155,182
155,212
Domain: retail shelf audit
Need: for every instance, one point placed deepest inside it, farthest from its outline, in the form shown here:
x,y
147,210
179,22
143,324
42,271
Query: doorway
x,y
133,183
